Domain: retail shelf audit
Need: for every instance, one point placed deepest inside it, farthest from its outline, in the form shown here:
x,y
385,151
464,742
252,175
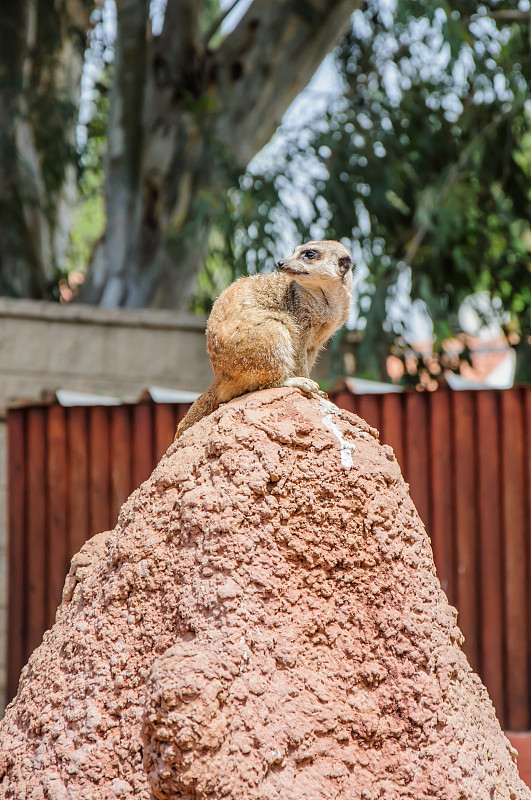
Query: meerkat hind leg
x,y
306,385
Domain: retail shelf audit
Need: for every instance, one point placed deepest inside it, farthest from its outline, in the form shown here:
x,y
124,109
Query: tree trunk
x,y
184,124
42,47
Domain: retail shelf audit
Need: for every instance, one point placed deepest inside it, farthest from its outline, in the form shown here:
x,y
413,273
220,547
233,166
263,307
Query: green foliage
x,y
424,164
89,218
88,225
215,275
210,12
37,151
52,113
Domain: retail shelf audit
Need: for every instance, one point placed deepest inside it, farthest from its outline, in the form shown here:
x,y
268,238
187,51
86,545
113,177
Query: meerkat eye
x,y
309,254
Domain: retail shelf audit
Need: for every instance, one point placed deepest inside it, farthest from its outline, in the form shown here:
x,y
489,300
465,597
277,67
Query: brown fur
x,y
266,330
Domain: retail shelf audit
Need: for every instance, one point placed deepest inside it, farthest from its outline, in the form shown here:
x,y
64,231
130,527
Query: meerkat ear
x,y
345,263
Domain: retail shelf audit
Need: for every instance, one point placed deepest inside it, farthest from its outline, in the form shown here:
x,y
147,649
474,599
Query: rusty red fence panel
x,y
488,487
466,455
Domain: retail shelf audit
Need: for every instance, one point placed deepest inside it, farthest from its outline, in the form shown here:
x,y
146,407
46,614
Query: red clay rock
x,y
264,623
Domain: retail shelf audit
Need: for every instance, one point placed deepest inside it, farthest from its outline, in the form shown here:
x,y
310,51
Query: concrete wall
x,y
45,347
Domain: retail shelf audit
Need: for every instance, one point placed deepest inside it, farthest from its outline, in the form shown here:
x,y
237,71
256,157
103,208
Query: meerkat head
x,y
315,263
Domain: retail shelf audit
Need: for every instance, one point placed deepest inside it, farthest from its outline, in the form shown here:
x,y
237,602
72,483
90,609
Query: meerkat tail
x,y
204,405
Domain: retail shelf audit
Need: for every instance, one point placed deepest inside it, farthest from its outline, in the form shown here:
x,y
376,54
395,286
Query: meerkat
x,y
266,330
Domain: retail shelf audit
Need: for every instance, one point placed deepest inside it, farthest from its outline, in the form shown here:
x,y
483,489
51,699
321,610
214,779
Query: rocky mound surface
x,y
264,623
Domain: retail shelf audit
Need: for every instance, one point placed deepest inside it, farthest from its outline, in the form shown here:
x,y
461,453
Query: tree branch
x,y
211,32
504,15
265,62
179,36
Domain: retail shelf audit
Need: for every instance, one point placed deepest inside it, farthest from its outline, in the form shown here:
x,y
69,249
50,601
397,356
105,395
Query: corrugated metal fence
x,y
466,455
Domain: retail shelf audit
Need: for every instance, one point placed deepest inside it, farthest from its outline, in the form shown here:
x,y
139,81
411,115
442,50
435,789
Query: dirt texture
x,y
264,623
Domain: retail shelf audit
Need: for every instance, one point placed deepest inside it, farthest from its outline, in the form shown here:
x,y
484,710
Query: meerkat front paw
x,y
306,385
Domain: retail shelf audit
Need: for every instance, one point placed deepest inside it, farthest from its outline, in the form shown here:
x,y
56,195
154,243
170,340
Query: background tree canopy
x,y
424,160
187,110
420,159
